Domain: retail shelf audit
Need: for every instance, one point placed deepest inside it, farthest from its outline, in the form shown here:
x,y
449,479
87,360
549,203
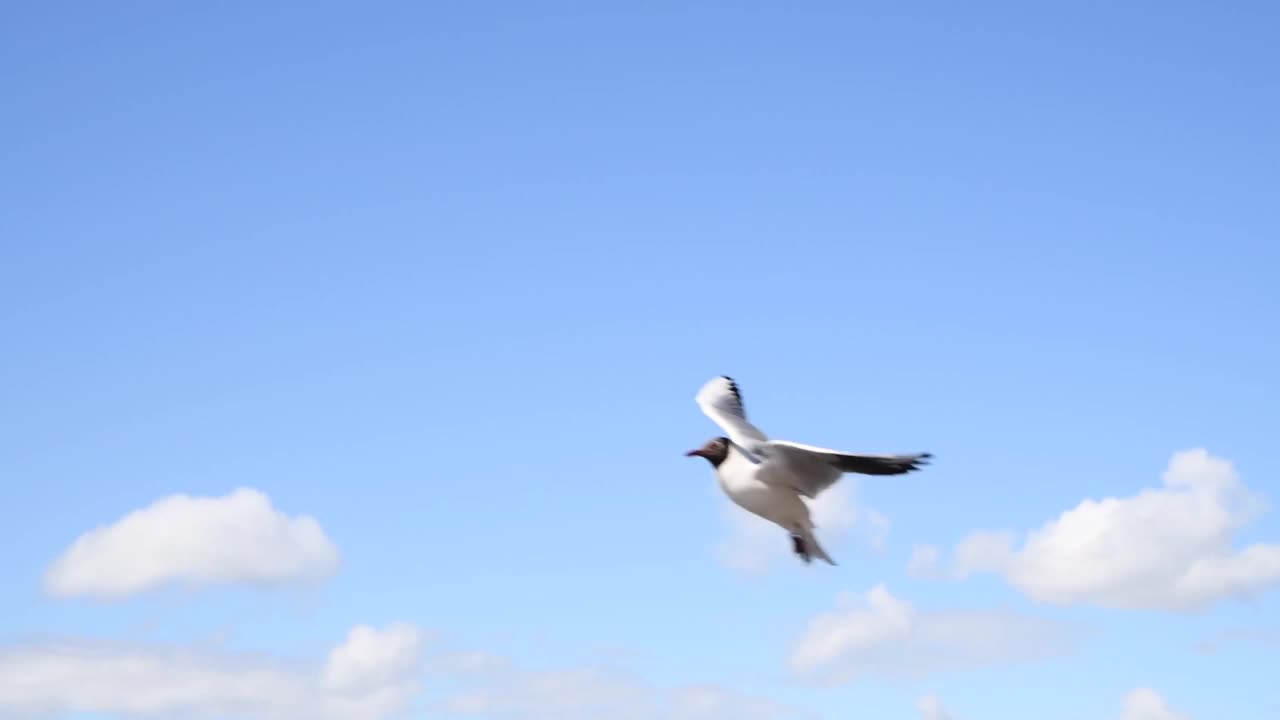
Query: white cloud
x,y
372,675
472,662
496,688
1169,547
708,702
372,658
237,538
879,634
1146,704
753,544
931,708
925,562
986,549
1231,637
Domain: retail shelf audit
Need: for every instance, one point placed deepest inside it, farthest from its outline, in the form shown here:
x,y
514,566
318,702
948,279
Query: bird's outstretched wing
x,y
810,469
805,468
860,463
721,400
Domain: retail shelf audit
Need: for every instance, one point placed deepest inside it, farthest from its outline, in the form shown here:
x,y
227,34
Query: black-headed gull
x,y
768,477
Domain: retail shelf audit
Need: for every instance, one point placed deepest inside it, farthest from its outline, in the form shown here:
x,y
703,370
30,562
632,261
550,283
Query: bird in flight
x,y
769,477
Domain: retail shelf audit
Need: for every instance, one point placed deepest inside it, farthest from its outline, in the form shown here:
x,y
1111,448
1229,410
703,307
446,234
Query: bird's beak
x,y
694,453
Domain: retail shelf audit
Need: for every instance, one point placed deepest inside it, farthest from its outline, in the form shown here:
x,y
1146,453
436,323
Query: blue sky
x,y
445,277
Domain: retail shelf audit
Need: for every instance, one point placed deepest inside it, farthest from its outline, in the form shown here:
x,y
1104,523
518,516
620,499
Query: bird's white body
x,y
771,478
738,477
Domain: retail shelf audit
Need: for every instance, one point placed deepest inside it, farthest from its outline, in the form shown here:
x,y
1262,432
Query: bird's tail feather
x,y
808,547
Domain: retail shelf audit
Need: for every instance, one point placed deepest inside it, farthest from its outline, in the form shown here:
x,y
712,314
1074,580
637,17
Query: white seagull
x,y
768,477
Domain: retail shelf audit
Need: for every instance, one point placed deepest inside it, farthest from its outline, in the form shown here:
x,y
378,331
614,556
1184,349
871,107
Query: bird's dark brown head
x,y
715,451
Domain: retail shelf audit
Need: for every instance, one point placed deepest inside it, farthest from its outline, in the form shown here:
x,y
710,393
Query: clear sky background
x,y
445,277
